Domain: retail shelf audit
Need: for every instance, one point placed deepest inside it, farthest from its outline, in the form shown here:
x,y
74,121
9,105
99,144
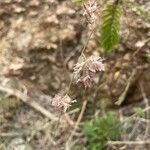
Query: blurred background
x,y
40,42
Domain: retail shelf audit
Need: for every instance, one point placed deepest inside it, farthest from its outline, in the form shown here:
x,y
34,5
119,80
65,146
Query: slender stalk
x,y
82,54
85,46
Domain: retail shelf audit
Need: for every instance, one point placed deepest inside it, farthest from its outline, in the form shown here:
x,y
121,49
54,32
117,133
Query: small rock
x,y
140,44
127,56
18,144
64,10
67,34
23,40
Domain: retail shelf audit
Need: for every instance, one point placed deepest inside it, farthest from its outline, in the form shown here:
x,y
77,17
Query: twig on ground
x,y
134,115
76,125
139,120
26,99
32,103
132,133
147,130
129,82
9,134
145,42
128,142
142,120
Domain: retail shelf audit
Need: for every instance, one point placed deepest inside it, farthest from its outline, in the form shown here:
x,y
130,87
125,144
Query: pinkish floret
x,y
84,70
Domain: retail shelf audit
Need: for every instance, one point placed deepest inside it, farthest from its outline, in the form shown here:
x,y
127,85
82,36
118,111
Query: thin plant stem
x,y
57,125
82,54
85,46
70,83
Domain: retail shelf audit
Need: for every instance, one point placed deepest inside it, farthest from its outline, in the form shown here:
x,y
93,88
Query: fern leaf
x,y
110,27
78,1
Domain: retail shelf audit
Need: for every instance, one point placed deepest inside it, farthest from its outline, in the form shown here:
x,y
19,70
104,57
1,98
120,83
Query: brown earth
x,y
40,42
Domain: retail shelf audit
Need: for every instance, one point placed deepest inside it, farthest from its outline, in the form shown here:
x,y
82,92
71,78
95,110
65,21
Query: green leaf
x,y
110,27
82,1
78,1
139,111
101,130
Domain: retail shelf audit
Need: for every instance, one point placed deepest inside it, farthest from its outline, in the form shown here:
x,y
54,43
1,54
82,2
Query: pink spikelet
x,y
95,64
62,102
85,69
90,8
87,81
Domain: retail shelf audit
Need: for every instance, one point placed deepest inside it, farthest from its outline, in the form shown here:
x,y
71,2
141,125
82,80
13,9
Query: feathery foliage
x,y
100,131
110,27
139,111
78,1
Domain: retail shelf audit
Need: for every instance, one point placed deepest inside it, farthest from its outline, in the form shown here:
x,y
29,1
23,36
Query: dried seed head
x,y
95,64
62,102
87,81
90,8
85,69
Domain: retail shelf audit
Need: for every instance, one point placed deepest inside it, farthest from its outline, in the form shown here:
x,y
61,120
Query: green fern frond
x,y
110,27
78,1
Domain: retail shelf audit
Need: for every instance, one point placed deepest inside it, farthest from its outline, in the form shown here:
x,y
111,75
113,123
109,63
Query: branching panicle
x,y
62,102
85,69
90,8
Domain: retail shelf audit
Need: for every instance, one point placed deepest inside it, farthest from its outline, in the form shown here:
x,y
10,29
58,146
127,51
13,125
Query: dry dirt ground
x,y
40,42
